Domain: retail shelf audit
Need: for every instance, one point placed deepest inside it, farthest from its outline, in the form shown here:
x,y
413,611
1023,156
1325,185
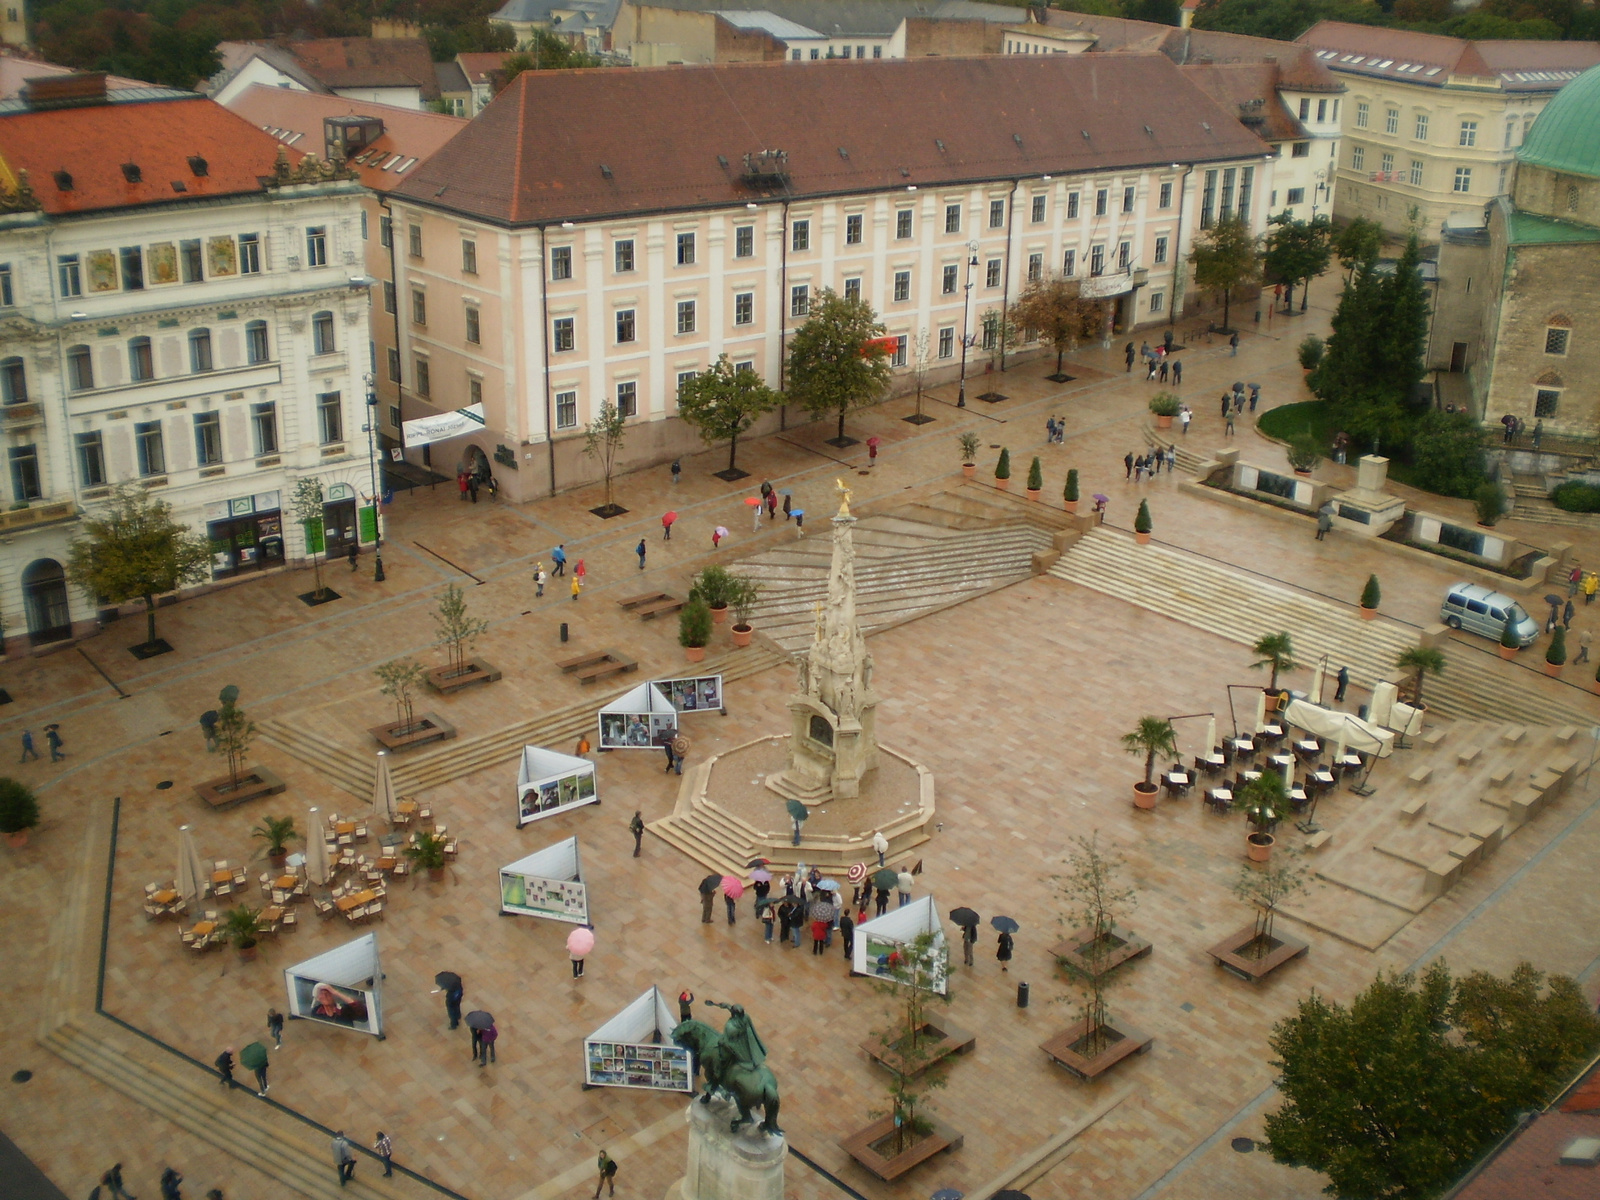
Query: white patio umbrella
x,y
383,797
1288,774
1315,695
1261,712
316,849
1211,736
192,874
1338,752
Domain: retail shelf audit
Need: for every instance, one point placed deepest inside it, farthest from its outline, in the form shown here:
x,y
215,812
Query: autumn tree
x,y
1053,309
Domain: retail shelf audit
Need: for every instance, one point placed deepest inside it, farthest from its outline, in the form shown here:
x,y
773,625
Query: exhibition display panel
x,y
634,1049
548,883
880,940
693,693
643,719
343,987
549,782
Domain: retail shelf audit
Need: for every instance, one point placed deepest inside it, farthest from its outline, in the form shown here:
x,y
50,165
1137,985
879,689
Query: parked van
x,y
1475,608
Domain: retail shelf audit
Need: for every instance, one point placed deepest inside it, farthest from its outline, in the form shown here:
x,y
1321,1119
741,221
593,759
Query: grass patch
x,y
1313,419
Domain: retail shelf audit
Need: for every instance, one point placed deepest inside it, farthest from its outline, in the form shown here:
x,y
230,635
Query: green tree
x,y
1447,453
1358,244
913,985
836,361
724,402
400,678
1276,652
234,732
1297,251
1283,20
306,503
476,37
1052,310
1153,736
457,631
602,441
1097,901
1420,660
545,52
1225,257
131,548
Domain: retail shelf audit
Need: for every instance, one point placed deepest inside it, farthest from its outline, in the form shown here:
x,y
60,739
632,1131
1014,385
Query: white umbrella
x,y
383,798
1339,750
1211,736
316,850
192,875
1315,695
1288,774
1261,712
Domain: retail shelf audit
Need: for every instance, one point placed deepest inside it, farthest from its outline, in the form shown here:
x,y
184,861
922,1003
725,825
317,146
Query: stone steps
x,y
1188,461
1537,510
1243,608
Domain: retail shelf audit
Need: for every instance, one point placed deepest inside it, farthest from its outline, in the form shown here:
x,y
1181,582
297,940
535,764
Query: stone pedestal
x,y
1367,509
747,1165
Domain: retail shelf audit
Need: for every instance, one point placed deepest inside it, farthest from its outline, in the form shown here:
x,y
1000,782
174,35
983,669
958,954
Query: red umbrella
x,y
668,518
753,501
872,442
731,887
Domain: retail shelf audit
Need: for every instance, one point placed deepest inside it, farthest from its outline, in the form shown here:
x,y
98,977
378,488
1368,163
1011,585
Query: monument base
x,y
747,1165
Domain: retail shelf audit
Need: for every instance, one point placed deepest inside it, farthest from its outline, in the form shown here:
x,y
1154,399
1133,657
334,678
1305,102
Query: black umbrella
x,y
797,810
1553,600
710,884
1011,1194
1005,925
946,1194
756,862
479,1019
964,916
886,878
448,980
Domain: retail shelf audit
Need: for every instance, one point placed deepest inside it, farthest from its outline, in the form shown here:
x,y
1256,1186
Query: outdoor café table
x,y
344,827
346,903
1221,797
387,862
1323,776
285,883
1297,794
1272,731
1242,746
1310,746
1280,760
269,918
1350,762
204,929
1178,778
165,896
1249,776
222,876
406,808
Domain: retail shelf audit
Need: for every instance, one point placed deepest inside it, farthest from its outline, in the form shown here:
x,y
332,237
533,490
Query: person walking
x,y
1584,639
452,1004
581,572
639,550
1127,354
881,903
112,1182
819,937
577,587
666,525
1177,371
1185,415
384,1149
1566,616
880,845
1161,373
716,537
1324,521
732,906
847,934
1344,682
559,557
707,899
540,578
1227,402
1172,458
1150,369
577,964
685,1005
1233,344
27,746
969,939
1255,395
904,885
799,522
755,515
788,505
461,484
1003,949
351,554
52,738
472,487
170,1179
765,912
636,827
785,919
677,470
476,1039
1573,580
1229,431
275,1027
224,1065
608,1174
1127,473
583,747
1538,433
772,506
489,1036
344,1158
674,763
261,1077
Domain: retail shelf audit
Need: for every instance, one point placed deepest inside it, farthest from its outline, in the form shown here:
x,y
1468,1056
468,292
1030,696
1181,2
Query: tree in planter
x,y
724,402
240,927
742,601
923,964
1263,801
1153,736
1371,594
1276,652
1508,635
306,503
1264,888
1304,453
1002,468
921,362
1052,309
1490,502
400,678
602,441
837,359
427,852
1165,404
233,732
457,631
715,586
1226,257
1556,654
1421,660
131,548
1297,251
19,807
276,832
969,448
1141,519
694,624
1096,902
1036,475
1070,492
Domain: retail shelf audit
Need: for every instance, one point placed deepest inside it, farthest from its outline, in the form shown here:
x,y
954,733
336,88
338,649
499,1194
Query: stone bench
x,y
1513,735
1434,737
1489,830
1525,805
1501,775
1421,775
1469,850
1566,733
1443,874
1414,806
1467,757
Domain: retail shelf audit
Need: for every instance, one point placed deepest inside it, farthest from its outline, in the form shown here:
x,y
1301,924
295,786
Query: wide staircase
x,y
352,769
1244,608
1532,494
1187,460
939,550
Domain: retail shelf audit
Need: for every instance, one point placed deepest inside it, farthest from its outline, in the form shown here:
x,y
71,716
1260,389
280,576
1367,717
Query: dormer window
x,y
132,173
63,181
199,166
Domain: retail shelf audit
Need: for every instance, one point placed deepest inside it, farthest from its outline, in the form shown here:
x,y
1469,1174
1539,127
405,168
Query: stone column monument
x,y
833,739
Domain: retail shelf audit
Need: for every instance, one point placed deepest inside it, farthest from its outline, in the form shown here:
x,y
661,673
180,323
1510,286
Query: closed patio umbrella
x,y
316,850
1211,736
1261,712
1288,774
383,798
1315,694
191,871
1339,750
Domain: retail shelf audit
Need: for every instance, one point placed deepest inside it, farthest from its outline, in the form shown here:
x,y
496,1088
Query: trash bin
x,y
563,631
1022,995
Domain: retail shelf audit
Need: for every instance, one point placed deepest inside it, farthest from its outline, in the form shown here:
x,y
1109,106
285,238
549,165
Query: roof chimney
x,y
77,90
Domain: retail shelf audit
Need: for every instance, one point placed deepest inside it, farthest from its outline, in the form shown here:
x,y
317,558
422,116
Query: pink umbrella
x,y
873,442
731,887
721,531
580,941
760,875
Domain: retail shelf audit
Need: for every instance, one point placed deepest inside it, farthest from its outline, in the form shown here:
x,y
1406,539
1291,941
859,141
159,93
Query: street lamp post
x,y
372,465
966,323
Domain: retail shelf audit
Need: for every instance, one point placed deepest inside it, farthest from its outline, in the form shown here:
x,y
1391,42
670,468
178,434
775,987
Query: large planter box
x,y
253,784
445,680
859,1146
943,1039
426,727
1234,954
1128,1041
1126,945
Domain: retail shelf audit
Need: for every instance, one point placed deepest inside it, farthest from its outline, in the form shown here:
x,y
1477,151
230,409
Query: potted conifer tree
x,y
1509,645
1002,470
19,811
1371,597
1035,478
1555,657
694,629
1142,524
1069,494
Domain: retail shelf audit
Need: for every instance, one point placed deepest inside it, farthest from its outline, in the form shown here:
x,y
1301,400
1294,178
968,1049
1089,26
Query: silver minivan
x,y
1473,607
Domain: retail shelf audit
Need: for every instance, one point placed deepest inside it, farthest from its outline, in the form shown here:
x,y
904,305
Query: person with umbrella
x,y
1007,927
883,880
450,984
785,918
821,921
708,895
872,452
732,889
667,518
254,1056
486,1041
968,920
761,884
755,504
717,535
798,813
579,942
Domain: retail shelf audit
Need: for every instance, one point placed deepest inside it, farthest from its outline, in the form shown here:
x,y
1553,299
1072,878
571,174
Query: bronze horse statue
x,y
749,1086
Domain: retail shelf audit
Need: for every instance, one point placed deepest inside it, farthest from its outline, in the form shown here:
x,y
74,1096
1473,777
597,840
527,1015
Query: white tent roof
x,y
905,924
649,1013
559,861
539,763
646,698
1329,723
350,965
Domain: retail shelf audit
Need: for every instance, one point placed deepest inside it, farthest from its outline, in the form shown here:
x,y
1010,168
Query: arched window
x,y
13,381
322,333
80,368
44,598
141,362
199,350
255,342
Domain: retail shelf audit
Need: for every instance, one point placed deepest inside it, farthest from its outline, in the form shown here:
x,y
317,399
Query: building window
x,y
562,336
952,218
566,410
991,273
852,229
1161,249
1358,158
151,452
902,223
852,288
249,254
947,281
386,232
419,307
628,399
1416,172
474,332
1124,256
394,364
685,377
1127,199
1363,114
469,258
363,224
322,333
686,249
1097,260
1208,200
317,245
474,390
1463,179
1166,196
560,261
80,368
132,269
1511,132
1247,176
1572,197
1386,164
13,381
70,275
997,214
622,256
255,343
877,52
1300,150
141,362
192,261
1296,196
1101,200
1225,203
1158,302
414,240
1469,133
1072,206
1322,110
898,358
264,424
1421,131
626,325
390,303
199,350
947,342
902,285
330,415
1555,341
685,316
24,473
1069,263
800,300
424,377
1035,268
800,236
744,308
394,416
91,459
1036,212
208,438
744,241
1305,109
1545,402
1391,121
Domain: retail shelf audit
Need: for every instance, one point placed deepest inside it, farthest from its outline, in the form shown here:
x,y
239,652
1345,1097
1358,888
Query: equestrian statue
x,y
734,1061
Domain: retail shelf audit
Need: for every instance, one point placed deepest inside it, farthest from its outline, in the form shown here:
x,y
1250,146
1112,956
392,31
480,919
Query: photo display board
x,y
343,987
549,782
693,693
548,883
643,719
634,1049
882,937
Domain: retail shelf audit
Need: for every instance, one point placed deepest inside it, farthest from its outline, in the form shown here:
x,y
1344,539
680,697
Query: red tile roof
x,y
91,144
1429,59
480,65
1528,1165
585,144
1250,92
368,62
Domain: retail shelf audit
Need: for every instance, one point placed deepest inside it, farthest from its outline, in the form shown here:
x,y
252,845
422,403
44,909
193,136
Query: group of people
x,y
111,1186
1159,362
580,572
468,483
1514,427
52,738
1149,464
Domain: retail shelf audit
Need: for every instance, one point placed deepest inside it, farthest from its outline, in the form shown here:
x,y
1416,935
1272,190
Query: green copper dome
x,y
1566,135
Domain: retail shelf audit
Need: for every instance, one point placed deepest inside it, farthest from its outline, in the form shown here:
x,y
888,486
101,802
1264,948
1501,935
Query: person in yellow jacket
x,y
1590,585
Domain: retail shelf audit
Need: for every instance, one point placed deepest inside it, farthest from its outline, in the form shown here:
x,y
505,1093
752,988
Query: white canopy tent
x,y
549,781
882,936
634,1049
547,883
342,987
1357,735
643,719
